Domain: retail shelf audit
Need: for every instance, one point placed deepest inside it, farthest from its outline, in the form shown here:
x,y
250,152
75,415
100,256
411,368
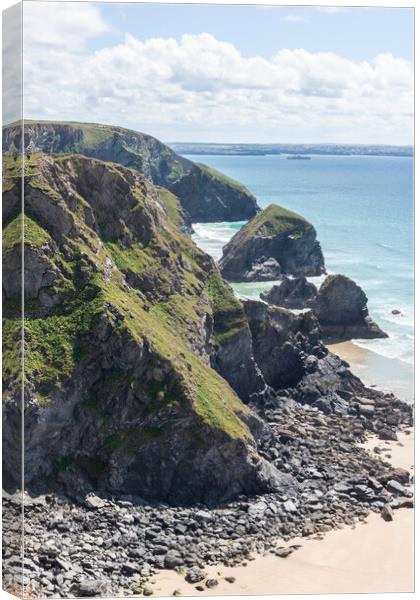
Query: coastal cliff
x,y
205,194
156,399
121,328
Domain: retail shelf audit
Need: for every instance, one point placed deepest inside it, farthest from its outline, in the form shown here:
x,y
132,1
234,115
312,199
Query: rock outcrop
x,y
124,317
341,308
206,194
276,242
292,292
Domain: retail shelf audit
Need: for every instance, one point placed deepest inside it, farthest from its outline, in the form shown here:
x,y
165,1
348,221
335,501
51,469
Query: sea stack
x,y
340,306
276,242
341,309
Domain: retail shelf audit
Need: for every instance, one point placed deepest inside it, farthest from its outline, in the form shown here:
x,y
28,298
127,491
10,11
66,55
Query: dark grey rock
x,y
89,587
395,487
341,309
291,293
194,575
387,514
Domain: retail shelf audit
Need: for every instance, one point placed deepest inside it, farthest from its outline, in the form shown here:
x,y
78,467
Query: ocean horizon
x,y
362,209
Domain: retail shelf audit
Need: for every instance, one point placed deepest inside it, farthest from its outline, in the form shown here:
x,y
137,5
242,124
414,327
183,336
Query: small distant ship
x,y
298,157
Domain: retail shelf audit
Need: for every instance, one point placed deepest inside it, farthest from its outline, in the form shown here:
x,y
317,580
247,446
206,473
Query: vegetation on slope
x,y
273,221
167,316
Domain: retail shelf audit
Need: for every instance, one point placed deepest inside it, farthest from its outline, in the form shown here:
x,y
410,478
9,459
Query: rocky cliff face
x,y
292,293
276,242
340,306
139,359
124,317
205,194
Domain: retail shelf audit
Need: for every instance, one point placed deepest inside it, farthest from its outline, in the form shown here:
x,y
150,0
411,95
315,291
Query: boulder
x,y
276,242
341,309
387,513
396,473
291,293
88,588
194,575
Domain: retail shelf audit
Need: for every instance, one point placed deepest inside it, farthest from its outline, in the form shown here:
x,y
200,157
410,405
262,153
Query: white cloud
x,y
202,88
62,25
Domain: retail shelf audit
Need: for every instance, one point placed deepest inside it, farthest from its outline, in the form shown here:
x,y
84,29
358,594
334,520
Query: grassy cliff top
x,y
272,221
223,178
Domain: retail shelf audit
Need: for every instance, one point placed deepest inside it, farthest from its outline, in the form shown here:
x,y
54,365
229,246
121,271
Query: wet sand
x,y
385,373
373,556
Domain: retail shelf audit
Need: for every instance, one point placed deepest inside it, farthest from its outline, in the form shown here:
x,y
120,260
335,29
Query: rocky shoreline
x,y
106,546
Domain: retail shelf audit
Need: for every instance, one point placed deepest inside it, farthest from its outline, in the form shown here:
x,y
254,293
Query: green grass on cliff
x,y
228,314
273,221
211,396
171,205
34,234
133,258
56,342
224,178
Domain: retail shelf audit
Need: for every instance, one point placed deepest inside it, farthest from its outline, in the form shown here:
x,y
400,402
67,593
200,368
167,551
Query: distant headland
x,y
291,149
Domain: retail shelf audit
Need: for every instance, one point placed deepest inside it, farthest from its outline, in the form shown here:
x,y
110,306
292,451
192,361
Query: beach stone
x,y
89,587
405,503
147,591
387,513
230,579
195,575
290,506
397,474
283,552
173,560
211,583
387,434
395,487
93,501
308,529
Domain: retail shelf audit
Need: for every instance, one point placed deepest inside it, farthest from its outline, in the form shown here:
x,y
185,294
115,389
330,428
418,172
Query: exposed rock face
x,y
204,193
123,320
274,243
294,362
291,293
341,308
280,341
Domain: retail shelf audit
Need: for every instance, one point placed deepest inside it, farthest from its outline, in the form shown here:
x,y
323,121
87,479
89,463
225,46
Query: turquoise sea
x,y
362,208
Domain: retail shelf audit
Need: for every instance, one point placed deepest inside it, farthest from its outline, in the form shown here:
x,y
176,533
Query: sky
x,y
223,73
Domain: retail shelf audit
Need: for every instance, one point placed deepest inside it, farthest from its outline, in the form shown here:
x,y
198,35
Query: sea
x,y
362,209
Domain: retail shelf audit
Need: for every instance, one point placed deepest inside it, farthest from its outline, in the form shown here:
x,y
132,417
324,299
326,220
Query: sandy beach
x,y
373,369
373,556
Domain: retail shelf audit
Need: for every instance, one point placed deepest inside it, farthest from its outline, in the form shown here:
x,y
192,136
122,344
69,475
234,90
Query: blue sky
x,y
223,73
355,33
